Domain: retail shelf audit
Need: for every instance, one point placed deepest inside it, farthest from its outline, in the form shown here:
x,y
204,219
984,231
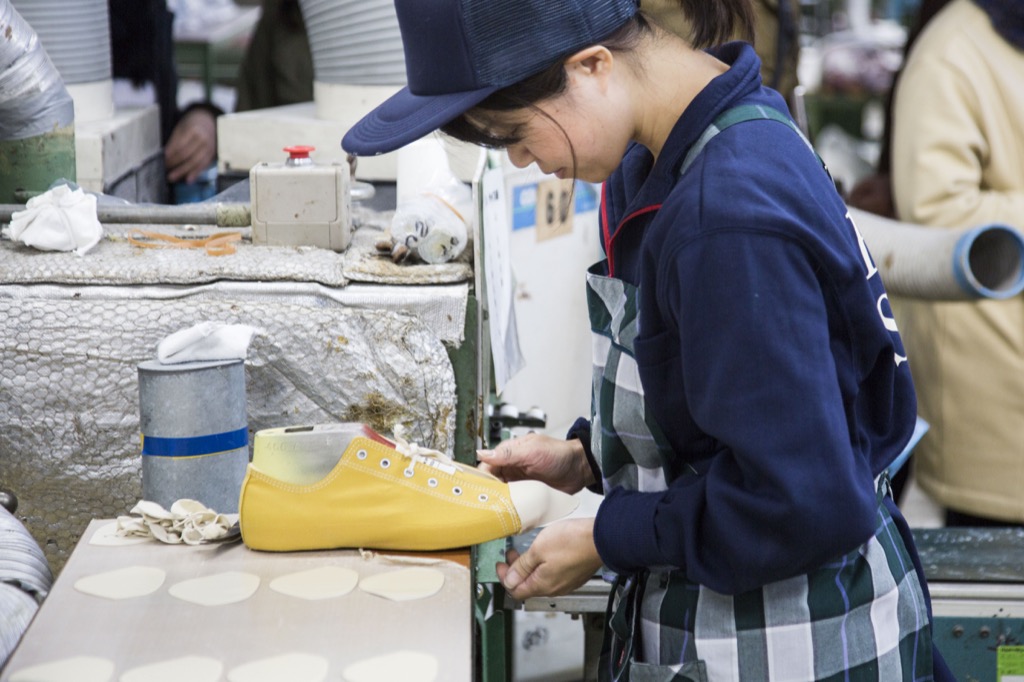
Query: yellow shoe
x,y
298,495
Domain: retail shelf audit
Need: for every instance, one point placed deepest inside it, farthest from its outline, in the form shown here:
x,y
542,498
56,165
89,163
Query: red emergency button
x,y
298,155
299,151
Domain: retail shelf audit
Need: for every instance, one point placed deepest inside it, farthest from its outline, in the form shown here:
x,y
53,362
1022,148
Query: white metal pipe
x,y
944,264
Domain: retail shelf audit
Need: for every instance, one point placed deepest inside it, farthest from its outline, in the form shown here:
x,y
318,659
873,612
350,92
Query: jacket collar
x,y
742,79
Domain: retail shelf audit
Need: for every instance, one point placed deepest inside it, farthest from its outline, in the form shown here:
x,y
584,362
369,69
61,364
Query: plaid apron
x,y
861,617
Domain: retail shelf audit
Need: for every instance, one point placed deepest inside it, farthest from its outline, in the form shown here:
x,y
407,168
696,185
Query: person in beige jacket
x,y
958,162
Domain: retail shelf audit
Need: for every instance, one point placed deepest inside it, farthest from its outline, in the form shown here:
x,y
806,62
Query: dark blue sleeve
x,y
581,429
749,328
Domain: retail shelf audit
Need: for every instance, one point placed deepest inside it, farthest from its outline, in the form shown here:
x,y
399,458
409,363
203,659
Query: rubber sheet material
x,y
115,260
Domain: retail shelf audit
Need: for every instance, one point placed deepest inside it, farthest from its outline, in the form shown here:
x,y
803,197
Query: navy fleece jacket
x,y
767,350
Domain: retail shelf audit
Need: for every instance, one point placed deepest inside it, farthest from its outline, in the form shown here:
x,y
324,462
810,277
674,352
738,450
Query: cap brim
x,y
405,117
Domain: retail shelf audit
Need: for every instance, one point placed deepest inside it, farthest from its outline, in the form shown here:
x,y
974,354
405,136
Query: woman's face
x,y
579,121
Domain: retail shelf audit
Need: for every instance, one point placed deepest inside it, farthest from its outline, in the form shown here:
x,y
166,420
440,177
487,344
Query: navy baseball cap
x,y
458,52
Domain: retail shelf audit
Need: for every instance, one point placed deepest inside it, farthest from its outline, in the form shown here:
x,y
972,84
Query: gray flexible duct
x,y
25,580
944,264
354,42
33,99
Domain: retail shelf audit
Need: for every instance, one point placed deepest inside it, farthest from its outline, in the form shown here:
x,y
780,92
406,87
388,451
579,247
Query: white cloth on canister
x,y
206,341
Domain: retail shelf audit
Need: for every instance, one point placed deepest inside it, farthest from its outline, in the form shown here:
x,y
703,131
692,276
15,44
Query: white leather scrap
x,y
60,219
204,342
188,521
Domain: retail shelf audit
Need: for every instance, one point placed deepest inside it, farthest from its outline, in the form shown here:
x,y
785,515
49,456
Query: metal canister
x,y
195,440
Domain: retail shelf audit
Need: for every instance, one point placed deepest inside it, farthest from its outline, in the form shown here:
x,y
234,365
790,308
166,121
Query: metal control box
x,y
976,581
300,203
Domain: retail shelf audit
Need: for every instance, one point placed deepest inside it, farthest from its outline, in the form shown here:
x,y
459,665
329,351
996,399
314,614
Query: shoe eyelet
x,y
432,482
483,497
456,490
361,454
408,473
385,463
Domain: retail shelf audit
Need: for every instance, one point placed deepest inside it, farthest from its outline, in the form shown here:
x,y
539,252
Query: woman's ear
x,y
593,60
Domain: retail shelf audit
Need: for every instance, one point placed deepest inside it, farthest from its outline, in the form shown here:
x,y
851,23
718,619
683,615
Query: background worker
x,y
958,162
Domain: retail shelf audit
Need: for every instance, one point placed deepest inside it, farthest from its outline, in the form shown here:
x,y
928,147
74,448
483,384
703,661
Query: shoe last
x,y
376,497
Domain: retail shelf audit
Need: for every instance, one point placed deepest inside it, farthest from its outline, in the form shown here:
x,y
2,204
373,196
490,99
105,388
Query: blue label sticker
x,y
524,202
586,196
524,206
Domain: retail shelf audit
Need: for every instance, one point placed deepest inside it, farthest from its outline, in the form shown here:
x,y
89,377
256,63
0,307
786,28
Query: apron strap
x,y
739,114
623,617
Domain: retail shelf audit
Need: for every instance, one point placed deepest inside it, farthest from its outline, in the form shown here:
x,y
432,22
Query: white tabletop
x,y
157,627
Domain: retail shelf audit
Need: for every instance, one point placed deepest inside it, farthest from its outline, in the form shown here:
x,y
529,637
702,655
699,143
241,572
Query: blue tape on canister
x,y
194,426
195,446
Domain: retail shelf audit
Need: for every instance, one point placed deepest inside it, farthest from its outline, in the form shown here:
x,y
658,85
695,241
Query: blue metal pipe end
x,y
988,262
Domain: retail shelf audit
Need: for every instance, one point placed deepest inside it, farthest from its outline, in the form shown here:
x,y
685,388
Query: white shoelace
x,y
417,453
432,458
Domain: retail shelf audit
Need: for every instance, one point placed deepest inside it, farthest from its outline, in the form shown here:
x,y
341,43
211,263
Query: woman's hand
x,y
560,559
562,464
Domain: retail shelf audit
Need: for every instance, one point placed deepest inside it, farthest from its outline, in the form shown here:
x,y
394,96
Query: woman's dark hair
x,y
712,22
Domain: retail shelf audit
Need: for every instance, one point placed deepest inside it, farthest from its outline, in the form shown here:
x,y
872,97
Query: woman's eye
x,y
513,134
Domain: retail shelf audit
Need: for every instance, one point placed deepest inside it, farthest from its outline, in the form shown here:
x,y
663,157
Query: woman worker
x,y
750,386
